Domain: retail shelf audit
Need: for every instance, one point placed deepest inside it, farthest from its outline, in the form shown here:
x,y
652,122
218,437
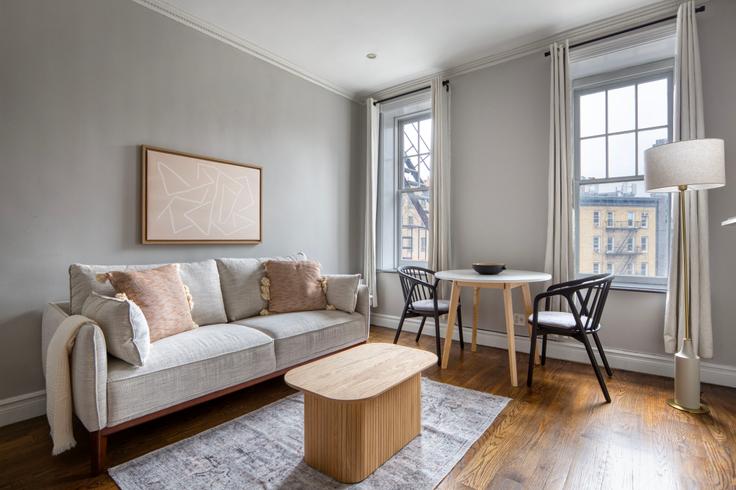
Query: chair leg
x,y
401,325
437,338
532,353
544,349
603,354
584,339
460,326
421,327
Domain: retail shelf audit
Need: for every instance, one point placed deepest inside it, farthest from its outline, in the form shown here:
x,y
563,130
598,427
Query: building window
x,y
630,219
596,244
617,117
609,268
596,267
596,218
404,182
644,269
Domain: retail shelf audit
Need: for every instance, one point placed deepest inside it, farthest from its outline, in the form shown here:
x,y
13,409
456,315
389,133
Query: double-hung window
x,y
617,117
404,182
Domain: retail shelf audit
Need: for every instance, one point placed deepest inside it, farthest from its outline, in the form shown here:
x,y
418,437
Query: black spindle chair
x,y
420,299
585,299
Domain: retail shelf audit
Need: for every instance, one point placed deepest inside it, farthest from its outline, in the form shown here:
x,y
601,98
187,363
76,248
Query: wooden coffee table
x,y
361,406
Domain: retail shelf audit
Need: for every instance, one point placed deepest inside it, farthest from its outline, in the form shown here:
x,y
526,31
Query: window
x,y
415,138
609,268
596,244
644,269
596,218
617,117
596,267
404,182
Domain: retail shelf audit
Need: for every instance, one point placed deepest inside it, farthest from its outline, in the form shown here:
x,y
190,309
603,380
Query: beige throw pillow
x,y
123,325
293,286
342,291
160,294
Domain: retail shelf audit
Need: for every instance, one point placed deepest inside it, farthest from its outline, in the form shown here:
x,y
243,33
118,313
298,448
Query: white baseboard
x,y
22,407
640,362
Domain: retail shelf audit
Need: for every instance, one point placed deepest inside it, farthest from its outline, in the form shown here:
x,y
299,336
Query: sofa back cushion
x,y
202,278
241,285
241,282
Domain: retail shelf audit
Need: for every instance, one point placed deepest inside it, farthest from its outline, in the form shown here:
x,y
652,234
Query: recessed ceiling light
x,y
371,56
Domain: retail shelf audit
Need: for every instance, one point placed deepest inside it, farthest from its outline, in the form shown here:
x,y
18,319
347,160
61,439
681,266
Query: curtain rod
x,y
630,29
445,83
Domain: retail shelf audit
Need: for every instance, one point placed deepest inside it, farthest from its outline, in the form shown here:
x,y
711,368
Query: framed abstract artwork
x,y
194,199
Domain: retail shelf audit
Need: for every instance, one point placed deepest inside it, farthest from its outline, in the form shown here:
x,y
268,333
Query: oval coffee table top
x,y
360,373
508,275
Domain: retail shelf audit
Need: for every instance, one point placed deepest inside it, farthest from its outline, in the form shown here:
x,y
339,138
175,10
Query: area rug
x,y
263,449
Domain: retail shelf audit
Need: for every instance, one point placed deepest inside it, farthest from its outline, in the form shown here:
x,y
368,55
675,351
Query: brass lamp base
x,y
700,410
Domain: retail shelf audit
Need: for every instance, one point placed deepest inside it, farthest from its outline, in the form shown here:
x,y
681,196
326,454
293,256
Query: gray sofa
x,y
233,348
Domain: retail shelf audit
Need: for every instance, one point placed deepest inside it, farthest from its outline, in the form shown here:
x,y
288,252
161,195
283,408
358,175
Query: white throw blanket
x,y
59,383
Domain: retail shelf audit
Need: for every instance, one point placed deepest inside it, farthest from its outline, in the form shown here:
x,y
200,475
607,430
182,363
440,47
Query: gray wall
x,y
500,121
82,84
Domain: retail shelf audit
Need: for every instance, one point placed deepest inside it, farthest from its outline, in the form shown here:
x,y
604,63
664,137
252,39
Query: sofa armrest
x,y
89,377
88,364
364,307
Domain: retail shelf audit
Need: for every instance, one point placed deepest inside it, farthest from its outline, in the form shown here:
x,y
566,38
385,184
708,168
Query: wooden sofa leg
x,y
98,449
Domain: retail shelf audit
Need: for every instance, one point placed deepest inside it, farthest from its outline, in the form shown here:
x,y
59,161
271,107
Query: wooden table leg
x,y
528,307
454,300
476,303
508,306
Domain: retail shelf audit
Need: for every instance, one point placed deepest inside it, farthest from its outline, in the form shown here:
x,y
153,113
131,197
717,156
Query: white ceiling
x,y
328,39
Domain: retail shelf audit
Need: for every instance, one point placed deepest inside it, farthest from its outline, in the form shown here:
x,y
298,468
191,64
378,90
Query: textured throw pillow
x,y
342,291
293,286
160,294
123,324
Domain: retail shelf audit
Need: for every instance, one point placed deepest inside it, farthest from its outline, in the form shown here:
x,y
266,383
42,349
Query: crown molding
x,y
241,44
578,34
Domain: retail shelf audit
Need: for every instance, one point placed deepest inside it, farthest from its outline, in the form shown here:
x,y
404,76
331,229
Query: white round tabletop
x,y
508,275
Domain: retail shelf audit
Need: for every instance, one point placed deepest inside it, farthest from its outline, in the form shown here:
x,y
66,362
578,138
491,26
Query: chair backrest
x,y
417,283
586,297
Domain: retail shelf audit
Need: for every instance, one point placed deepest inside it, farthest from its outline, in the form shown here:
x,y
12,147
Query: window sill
x,y
639,288
387,271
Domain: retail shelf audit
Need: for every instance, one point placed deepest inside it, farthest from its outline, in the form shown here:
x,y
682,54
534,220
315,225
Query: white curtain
x,y
371,198
440,252
688,124
558,259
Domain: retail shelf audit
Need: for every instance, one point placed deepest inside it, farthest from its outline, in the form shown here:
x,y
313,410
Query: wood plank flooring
x,y
559,434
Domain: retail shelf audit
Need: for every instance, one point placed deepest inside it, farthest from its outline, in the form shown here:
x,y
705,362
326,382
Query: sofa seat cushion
x,y
185,366
303,335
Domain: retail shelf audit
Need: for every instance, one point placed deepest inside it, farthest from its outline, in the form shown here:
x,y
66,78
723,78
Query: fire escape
x,y
625,234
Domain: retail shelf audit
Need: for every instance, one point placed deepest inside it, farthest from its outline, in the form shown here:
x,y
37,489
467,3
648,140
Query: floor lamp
x,y
679,167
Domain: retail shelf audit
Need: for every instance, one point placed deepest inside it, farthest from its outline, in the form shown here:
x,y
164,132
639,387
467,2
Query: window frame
x,y
610,81
400,190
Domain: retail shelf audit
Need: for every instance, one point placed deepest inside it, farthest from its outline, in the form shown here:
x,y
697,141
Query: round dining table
x,y
506,280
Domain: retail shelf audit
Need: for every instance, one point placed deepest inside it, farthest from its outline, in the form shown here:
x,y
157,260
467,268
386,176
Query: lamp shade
x,y
699,164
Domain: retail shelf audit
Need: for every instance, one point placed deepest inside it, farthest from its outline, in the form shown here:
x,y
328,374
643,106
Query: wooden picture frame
x,y
194,199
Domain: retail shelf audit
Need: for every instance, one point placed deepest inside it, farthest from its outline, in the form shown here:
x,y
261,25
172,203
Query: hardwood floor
x,y
559,434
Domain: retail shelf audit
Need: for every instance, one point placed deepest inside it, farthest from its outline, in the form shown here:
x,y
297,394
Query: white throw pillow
x,y
123,324
342,291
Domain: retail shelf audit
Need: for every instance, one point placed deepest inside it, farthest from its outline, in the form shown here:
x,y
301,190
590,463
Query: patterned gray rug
x,y
263,449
